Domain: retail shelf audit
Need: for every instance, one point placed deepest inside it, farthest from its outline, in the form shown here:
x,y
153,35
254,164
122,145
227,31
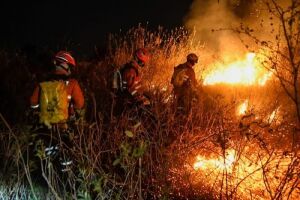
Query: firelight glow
x,y
244,72
245,171
221,163
242,109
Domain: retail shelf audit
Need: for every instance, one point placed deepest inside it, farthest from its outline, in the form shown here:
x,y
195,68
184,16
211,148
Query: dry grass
x,y
152,156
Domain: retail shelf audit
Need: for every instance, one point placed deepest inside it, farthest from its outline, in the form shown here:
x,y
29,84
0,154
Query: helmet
x,y
142,56
192,58
64,57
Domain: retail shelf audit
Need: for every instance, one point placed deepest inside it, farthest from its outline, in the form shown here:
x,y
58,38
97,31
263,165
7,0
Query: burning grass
x,y
246,174
236,143
231,162
247,71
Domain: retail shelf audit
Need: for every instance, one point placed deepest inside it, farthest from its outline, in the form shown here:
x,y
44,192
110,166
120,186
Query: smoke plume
x,y
208,15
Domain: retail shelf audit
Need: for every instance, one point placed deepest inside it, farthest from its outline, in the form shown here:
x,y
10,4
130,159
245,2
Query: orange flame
x,y
245,171
242,109
221,163
274,117
245,72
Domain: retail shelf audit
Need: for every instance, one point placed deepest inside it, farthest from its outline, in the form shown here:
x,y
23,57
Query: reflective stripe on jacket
x,y
74,94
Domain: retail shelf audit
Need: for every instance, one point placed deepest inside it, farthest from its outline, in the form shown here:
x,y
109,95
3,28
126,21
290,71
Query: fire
x,y
244,172
264,78
242,109
220,163
274,117
245,72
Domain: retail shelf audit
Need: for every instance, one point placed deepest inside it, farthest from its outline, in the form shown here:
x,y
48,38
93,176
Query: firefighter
x,y
57,100
184,84
128,88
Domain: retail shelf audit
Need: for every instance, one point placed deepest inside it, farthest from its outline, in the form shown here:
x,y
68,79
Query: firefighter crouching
x,y
127,83
56,101
184,84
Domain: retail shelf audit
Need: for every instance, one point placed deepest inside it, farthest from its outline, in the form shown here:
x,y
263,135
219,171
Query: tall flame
x,y
244,72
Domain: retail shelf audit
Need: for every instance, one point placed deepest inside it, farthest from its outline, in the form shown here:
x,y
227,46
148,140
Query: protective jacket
x,y
74,92
131,80
183,77
185,83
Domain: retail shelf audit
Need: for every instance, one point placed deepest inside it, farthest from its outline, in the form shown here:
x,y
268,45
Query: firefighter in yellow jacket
x,y
60,97
56,100
185,83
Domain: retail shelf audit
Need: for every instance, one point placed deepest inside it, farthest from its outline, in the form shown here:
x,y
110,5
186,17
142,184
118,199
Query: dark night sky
x,y
83,24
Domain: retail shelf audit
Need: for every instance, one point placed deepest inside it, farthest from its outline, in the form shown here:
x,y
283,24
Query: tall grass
x,y
151,156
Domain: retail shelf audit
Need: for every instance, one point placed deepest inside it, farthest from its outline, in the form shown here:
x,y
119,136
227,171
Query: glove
x,y
185,78
33,116
79,114
146,102
143,100
72,117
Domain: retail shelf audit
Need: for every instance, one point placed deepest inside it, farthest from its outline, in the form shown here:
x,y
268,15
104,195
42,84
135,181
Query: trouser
x,y
124,103
55,144
183,101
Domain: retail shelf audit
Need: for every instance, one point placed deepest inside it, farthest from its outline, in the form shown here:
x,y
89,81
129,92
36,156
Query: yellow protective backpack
x,y
54,102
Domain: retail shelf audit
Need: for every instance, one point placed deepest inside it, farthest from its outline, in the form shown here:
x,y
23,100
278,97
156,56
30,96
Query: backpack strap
x,y
117,80
127,66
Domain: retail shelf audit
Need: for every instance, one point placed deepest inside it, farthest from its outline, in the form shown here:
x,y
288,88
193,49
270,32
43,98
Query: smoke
x,y
208,15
